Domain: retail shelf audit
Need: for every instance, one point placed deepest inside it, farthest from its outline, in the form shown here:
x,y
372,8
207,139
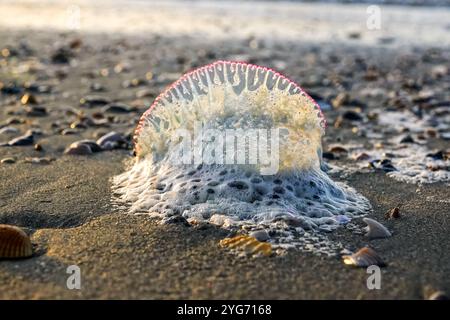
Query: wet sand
x,y
65,205
133,257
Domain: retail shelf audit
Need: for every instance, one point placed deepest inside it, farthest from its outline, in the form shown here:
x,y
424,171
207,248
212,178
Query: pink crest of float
x,y
195,75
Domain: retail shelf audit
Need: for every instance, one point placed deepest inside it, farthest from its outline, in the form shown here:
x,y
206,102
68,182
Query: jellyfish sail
x,y
240,141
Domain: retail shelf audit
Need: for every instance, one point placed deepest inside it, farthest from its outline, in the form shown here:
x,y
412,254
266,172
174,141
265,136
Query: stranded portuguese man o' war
x,y
233,143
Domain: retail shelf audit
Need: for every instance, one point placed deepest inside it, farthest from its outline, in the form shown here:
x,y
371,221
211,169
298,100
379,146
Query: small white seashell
x,y
376,230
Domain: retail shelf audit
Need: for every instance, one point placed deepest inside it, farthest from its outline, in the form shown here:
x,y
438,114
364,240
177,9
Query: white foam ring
x,y
226,95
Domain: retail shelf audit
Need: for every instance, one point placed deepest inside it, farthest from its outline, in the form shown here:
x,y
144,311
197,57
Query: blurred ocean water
x,y
382,2
432,3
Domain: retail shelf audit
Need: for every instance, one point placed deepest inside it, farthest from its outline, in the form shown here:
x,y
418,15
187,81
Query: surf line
x,y
187,310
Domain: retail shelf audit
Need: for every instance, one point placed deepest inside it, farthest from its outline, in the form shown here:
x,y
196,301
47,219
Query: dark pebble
x,y
145,93
338,149
362,156
384,165
388,168
78,124
14,121
38,88
118,108
328,156
61,55
35,111
440,155
352,116
11,88
69,131
407,139
79,149
94,101
175,220
91,143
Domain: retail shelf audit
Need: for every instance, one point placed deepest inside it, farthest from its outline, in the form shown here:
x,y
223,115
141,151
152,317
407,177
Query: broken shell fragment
x,y
94,101
14,242
247,244
91,143
393,213
111,140
8,160
338,150
438,295
363,258
24,140
9,130
376,230
361,156
78,149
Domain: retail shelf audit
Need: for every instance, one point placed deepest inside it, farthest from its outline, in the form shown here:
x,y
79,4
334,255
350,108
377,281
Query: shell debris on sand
x,y
247,244
14,242
363,258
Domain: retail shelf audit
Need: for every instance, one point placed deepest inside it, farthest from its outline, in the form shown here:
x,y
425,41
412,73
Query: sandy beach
x,y
109,56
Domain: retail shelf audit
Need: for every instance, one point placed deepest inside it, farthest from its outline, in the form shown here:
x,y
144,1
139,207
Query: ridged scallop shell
x,y
14,242
363,258
376,230
247,244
